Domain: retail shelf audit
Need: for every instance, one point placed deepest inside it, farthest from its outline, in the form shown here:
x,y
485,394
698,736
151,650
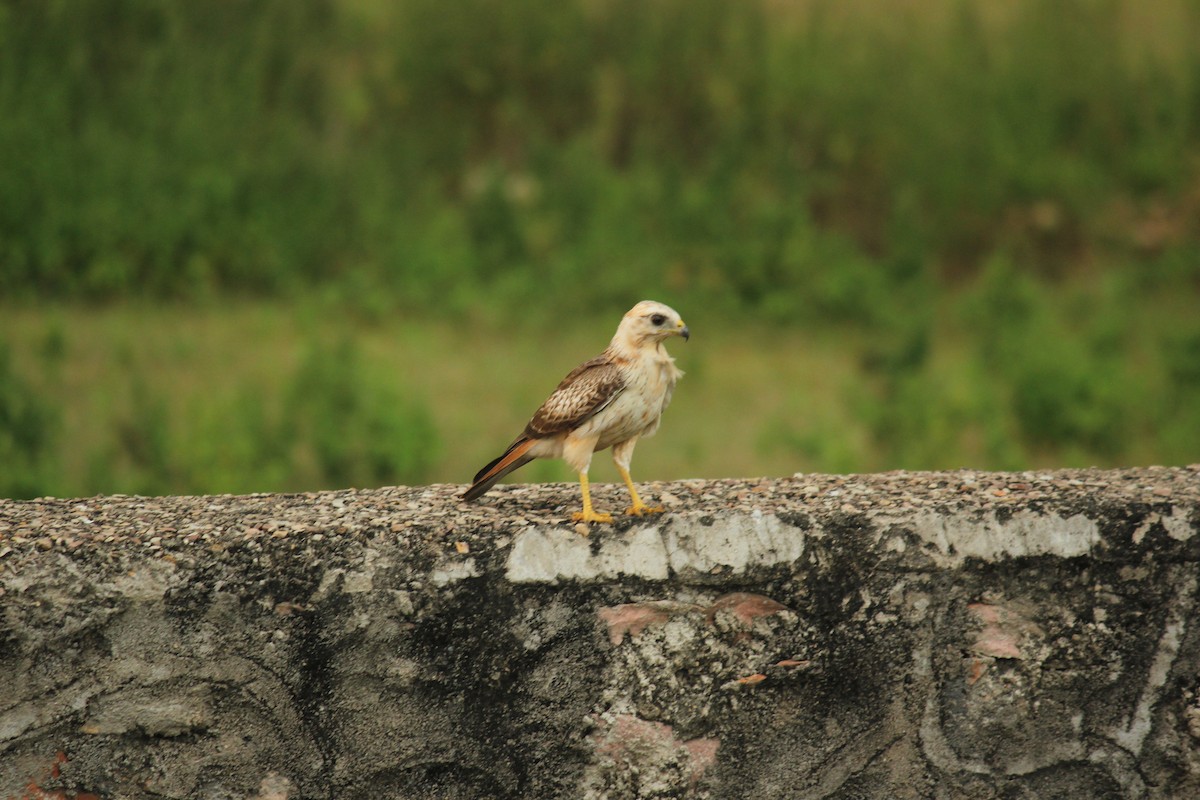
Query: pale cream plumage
x,y
612,401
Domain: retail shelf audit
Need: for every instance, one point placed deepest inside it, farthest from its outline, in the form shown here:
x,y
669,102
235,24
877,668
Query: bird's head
x,y
649,323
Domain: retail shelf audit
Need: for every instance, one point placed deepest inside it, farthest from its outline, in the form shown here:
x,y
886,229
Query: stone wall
x,y
907,635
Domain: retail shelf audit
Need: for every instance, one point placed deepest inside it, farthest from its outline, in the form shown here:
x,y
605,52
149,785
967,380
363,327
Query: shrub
x,y
29,427
350,430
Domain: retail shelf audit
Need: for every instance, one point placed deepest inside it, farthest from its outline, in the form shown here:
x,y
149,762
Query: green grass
x,y
479,384
265,397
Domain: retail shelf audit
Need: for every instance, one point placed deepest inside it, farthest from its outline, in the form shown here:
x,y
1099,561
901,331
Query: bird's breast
x,y
637,410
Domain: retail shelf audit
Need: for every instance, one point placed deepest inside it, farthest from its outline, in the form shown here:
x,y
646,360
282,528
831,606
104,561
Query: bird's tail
x,y
514,458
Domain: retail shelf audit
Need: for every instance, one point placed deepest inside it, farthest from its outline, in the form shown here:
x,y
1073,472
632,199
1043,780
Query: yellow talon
x,y
588,515
638,509
591,516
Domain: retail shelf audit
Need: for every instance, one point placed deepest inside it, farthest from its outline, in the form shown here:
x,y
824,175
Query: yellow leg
x,y
638,508
588,515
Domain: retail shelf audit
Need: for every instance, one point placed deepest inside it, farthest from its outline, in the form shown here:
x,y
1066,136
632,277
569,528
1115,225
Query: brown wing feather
x,y
586,391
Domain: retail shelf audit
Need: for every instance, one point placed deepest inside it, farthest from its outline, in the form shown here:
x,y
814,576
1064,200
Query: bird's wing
x,y
587,390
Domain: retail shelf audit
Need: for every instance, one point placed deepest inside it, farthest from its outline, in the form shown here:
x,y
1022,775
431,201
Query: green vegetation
x,y
958,233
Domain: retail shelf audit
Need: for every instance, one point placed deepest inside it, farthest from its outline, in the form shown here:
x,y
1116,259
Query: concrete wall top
x,y
948,634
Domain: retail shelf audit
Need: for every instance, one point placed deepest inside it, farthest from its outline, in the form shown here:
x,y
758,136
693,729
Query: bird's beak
x,y
682,330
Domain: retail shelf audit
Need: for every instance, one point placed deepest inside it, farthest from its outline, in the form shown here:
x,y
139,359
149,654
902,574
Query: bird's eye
x,y
658,319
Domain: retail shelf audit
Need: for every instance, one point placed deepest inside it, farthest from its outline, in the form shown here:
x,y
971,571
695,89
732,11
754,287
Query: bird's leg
x,y
588,515
622,454
638,509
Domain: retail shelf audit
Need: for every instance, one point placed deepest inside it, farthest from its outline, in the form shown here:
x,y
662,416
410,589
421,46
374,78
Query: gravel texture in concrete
x,y
902,635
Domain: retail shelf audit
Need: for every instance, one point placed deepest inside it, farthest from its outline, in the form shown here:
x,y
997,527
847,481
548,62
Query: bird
x,y
612,400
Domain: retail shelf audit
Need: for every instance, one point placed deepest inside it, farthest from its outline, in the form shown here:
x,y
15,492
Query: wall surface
x,y
905,635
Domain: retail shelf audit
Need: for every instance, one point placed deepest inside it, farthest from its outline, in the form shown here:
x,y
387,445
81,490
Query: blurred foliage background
x,y
260,245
